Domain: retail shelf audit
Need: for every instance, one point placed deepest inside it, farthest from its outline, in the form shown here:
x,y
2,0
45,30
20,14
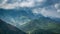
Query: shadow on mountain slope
x,y
41,31
9,29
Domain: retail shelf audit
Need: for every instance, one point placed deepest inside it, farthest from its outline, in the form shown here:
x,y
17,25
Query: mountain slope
x,y
9,29
43,24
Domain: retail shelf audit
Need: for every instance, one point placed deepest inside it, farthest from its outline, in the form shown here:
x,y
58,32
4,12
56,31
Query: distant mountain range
x,y
56,19
38,23
19,12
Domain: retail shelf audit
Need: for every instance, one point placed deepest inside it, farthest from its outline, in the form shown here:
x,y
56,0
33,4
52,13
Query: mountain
x,y
56,19
9,29
41,31
17,17
38,23
42,25
19,12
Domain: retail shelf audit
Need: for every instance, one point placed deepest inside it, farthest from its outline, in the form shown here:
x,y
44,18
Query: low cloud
x,y
19,3
57,6
50,11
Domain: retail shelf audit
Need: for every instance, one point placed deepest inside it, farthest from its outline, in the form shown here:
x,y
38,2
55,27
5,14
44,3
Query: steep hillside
x,y
42,25
9,29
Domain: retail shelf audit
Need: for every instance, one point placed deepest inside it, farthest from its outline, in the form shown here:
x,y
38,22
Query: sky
x,y
44,7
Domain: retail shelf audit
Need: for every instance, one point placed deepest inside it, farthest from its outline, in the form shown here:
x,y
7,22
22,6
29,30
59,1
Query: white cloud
x,y
42,11
37,10
7,6
3,1
16,4
47,12
58,11
27,4
57,6
19,3
40,1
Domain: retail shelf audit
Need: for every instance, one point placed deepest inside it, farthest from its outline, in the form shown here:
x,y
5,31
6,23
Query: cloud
x,y
47,12
7,6
58,10
49,9
57,6
11,4
36,11
3,1
27,4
